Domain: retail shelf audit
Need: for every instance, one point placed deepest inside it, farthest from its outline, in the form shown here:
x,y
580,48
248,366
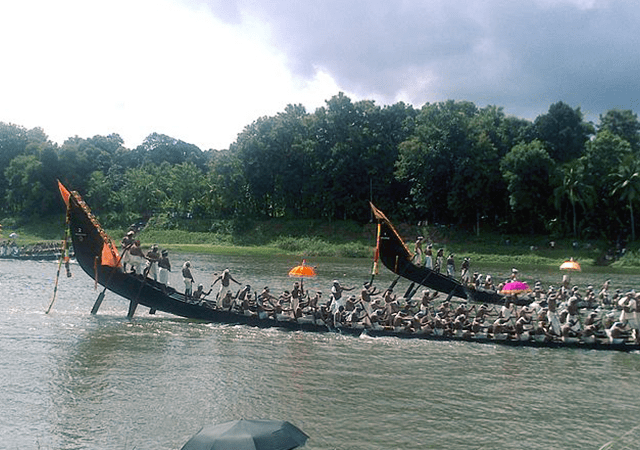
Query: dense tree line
x,y
448,163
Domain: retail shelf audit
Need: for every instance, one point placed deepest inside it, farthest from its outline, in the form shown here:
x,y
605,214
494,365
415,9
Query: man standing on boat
x,y
225,280
125,245
188,279
164,267
451,266
439,260
136,258
336,297
464,271
428,258
418,257
153,256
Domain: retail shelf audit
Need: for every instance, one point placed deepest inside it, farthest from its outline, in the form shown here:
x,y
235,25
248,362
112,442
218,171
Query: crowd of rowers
x,y
550,315
553,315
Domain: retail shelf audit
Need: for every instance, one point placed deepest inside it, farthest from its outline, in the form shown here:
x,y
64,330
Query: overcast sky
x,y
202,70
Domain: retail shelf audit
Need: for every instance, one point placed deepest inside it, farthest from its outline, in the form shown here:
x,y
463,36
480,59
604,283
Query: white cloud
x,y
202,70
136,67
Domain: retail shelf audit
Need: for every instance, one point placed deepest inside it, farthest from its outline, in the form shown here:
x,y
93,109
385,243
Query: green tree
x,y
428,160
602,157
564,132
575,190
158,148
103,197
25,195
272,162
141,196
227,191
527,169
622,123
626,186
185,189
13,142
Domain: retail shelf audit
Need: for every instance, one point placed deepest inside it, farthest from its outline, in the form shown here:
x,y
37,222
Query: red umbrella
x,y
515,287
302,271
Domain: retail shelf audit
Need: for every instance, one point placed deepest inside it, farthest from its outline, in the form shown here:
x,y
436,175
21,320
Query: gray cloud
x,y
519,55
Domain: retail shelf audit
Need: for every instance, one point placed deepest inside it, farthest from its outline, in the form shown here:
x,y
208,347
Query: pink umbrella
x,y
515,287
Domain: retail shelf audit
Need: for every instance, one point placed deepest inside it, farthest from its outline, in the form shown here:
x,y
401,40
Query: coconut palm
x,y
576,190
626,185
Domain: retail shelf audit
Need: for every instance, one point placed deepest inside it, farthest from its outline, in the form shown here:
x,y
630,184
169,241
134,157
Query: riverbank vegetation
x,y
349,239
453,167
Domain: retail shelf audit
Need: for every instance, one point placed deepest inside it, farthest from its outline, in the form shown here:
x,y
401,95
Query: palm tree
x,y
575,190
626,184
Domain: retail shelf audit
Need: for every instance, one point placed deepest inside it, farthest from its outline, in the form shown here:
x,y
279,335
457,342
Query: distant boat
x,y
97,255
36,252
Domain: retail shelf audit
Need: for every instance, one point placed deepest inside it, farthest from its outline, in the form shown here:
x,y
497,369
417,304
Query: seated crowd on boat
x,y
40,250
550,314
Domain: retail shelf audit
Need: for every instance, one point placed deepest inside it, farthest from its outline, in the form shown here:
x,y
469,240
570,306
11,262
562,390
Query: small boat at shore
x,y
40,251
97,255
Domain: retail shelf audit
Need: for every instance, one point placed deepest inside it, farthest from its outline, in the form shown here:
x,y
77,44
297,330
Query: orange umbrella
x,y
302,271
570,265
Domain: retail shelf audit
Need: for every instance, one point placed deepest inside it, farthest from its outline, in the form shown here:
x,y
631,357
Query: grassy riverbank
x,y
348,239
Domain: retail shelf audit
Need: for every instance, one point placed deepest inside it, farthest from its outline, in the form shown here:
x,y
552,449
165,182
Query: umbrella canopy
x,y
570,265
515,287
302,271
248,435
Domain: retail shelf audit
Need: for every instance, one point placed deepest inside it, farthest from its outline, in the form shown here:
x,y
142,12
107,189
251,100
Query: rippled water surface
x,y
71,380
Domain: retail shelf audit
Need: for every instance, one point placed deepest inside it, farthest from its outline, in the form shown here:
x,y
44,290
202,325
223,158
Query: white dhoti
x,y
222,293
163,276
137,263
188,285
554,323
152,269
465,276
450,270
428,262
126,257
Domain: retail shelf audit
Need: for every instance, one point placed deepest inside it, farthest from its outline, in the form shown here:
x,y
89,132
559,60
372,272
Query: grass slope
x,y
306,238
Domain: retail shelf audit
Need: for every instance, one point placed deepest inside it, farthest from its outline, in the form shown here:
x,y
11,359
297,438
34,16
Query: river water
x,y
71,380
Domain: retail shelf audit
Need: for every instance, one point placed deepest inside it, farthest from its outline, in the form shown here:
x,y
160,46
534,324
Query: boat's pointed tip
x,y
64,192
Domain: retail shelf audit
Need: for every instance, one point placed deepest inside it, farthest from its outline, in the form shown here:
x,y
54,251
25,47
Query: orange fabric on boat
x,y
110,255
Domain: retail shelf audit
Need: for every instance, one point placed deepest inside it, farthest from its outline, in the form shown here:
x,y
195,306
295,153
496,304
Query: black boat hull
x,y
89,242
396,257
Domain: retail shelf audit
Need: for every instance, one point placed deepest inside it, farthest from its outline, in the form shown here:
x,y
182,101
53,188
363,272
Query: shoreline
x,y
490,249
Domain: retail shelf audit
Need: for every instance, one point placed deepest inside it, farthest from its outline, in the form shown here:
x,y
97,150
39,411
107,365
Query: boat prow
x,y
396,257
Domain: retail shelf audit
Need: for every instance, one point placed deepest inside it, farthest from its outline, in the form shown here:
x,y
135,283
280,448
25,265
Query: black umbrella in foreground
x,y
248,435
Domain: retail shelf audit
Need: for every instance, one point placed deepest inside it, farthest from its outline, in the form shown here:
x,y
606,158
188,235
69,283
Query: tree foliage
x,y
449,162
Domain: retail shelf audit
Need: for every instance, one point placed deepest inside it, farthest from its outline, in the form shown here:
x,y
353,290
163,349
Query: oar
x,y
100,298
408,291
55,288
62,256
394,282
133,304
